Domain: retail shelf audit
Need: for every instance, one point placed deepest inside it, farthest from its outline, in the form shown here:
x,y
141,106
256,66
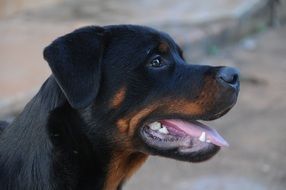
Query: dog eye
x,y
156,62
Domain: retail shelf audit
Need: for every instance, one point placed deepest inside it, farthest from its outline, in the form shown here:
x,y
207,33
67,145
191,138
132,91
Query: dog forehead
x,y
129,45
138,34
128,29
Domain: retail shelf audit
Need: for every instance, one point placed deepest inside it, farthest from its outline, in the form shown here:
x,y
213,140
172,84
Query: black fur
x,y
65,136
3,125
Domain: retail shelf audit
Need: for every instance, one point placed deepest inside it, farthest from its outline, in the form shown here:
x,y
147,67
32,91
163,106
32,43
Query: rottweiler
x,y
116,95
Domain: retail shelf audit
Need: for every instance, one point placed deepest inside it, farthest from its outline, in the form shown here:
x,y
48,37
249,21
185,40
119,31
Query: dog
x,y
116,95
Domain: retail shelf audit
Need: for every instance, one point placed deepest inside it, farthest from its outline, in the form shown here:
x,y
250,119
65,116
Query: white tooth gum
x,y
203,138
164,130
155,126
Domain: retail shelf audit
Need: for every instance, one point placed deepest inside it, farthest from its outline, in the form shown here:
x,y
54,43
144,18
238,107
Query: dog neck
x,y
25,146
101,163
53,147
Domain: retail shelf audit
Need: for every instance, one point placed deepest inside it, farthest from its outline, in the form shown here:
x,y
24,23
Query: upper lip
x,y
188,118
215,116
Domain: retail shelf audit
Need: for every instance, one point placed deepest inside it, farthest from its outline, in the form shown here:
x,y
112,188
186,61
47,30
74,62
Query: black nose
x,y
228,75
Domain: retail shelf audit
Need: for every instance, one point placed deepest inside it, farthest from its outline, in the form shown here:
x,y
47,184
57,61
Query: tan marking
x,y
134,121
170,106
126,160
122,125
118,98
208,95
184,107
164,47
123,165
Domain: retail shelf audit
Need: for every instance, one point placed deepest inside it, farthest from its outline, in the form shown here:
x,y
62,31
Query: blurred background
x,y
248,34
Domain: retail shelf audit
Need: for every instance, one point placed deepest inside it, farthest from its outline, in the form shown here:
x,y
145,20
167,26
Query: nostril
x,y
232,79
228,75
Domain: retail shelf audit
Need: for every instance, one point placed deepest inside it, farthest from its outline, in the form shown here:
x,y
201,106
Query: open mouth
x,y
183,138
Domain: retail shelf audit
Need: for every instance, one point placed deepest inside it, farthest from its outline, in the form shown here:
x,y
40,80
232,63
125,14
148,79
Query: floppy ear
x,y
75,61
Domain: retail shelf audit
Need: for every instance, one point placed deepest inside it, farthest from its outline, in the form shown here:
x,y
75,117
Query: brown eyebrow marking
x,y
118,98
164,47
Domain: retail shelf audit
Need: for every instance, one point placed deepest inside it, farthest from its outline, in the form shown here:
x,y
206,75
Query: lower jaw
x,y
193,156
184,149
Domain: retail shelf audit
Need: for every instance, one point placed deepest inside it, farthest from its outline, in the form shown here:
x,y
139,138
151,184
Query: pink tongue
x,y
195,129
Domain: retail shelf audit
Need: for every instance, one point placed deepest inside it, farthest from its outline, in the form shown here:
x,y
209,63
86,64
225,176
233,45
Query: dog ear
x,y
75,61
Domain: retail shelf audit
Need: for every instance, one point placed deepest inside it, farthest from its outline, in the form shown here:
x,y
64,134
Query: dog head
x,y
132,85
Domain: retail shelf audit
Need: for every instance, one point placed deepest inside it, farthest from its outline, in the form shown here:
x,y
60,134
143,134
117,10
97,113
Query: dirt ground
x,y
255,128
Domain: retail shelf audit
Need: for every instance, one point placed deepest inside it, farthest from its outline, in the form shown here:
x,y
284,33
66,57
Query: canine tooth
x,y
164,130
155,126
202,138
208,141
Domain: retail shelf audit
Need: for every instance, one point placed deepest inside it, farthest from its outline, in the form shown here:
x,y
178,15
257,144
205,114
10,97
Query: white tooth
x,y
208,141
155,126
202,138
164,130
